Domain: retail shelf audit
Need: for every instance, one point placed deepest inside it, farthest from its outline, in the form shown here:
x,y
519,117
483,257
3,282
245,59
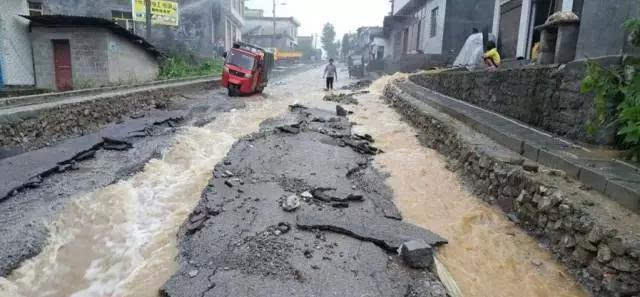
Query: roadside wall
x,y
600,253
35,128
15,47
546,97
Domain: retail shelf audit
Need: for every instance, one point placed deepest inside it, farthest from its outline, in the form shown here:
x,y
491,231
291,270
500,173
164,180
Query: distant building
x,y
88,52
253,13
365,43
600,27
434,30
259,30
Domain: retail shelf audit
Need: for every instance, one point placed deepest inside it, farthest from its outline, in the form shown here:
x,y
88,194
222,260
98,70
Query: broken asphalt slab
x,y
239,241
386,233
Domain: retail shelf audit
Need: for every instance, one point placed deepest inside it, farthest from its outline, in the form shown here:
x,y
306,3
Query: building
x,y
79,52
259,30
197,28
16,64
435,30
365,43
600,30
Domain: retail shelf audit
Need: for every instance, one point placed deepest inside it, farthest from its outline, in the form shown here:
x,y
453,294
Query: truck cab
x,y
246,69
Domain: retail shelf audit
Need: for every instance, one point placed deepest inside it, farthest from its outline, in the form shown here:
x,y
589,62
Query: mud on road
x,y
340,238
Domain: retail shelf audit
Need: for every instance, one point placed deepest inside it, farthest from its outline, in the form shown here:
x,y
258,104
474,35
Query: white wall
x,y
129,63
433,45
15,45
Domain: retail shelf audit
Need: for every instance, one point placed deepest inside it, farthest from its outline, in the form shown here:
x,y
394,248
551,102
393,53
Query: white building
x,y
16,63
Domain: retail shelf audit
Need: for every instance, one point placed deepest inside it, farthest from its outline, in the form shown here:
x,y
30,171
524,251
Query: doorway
x,y
62,64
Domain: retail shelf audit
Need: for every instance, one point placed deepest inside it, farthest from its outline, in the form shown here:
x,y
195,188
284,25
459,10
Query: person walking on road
x,y
331,73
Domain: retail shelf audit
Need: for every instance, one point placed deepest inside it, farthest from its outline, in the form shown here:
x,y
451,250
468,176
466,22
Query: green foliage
x,y
617,96
328,40
176,66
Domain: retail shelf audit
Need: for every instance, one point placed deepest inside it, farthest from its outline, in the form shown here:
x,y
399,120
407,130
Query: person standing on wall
x,y
331,73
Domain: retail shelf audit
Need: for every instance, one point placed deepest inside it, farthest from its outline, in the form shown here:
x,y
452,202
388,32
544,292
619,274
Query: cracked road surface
x,y
240,242
107,226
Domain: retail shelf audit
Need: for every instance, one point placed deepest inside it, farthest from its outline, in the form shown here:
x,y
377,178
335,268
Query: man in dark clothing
x,y
331,73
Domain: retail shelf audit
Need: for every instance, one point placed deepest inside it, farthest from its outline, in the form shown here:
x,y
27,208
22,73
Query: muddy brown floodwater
x,y
487,255
120,241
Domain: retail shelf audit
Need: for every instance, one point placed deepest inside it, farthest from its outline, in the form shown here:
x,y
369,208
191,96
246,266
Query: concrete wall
x,y
129,63
15,47
265,26
601,32
543,97
462,16
433,45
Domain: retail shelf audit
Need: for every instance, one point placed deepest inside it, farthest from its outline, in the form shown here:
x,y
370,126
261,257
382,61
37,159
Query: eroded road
x,y
110,224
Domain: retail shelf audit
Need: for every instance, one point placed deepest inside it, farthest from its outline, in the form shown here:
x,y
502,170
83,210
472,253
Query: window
x,y
124,19
35,8
434,22
418,35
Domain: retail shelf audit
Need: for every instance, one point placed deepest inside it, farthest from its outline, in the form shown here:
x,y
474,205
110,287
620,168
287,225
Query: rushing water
x,y
120,241
487,255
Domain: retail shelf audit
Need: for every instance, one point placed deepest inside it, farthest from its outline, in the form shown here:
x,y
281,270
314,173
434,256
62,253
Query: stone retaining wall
x,y
547,97
39,127
603,259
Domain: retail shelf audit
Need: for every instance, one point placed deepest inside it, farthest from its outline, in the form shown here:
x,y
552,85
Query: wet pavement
x,y
240,242
112,229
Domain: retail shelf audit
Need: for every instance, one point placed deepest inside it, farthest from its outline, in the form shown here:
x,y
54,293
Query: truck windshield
x,y
241,60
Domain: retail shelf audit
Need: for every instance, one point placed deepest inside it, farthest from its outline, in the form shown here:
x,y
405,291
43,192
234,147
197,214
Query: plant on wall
x,y
617,95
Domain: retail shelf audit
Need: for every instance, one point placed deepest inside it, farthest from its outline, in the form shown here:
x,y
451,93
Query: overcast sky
x,y
345,15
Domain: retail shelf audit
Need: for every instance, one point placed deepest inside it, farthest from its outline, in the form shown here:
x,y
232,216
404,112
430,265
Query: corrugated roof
x,y
82,21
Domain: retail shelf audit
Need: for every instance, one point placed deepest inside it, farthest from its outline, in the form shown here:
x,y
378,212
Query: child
x,y
492,57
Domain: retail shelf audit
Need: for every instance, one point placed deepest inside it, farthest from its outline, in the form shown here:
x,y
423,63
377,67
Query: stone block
x,y
530,151
627,194
593,178
554,160
417,254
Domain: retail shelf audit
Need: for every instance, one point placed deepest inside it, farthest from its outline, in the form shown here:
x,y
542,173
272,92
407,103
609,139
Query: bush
x,y
175,66
617,96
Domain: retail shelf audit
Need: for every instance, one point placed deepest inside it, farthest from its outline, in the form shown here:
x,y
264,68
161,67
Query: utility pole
x,y
147,6
273,37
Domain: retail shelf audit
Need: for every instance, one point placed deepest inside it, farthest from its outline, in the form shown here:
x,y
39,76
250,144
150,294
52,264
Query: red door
x,y
62,64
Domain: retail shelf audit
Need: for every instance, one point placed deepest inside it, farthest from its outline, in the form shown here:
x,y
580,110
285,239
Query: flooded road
x,y
121,240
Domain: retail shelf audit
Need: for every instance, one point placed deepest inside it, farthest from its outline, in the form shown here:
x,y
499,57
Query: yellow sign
x,y
162,12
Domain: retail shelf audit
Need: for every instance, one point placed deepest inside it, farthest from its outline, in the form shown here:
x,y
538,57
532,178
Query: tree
x,y
329,40
346,45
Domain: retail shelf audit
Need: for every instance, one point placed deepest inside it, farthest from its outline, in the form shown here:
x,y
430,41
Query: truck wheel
x,y
231,91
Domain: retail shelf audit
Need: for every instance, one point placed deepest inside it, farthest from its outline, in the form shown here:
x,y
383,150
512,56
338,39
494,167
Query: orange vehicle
x,y
247,69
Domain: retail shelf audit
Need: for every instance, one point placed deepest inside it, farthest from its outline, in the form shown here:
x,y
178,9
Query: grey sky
x,y
345,15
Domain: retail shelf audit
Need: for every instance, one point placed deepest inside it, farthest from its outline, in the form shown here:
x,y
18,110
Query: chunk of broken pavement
x,y
291,203
340,111
417,254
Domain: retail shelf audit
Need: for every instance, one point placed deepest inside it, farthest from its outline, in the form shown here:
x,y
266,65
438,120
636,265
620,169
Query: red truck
x,y
247,69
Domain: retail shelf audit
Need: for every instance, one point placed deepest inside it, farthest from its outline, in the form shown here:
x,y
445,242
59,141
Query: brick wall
x,y
547,97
